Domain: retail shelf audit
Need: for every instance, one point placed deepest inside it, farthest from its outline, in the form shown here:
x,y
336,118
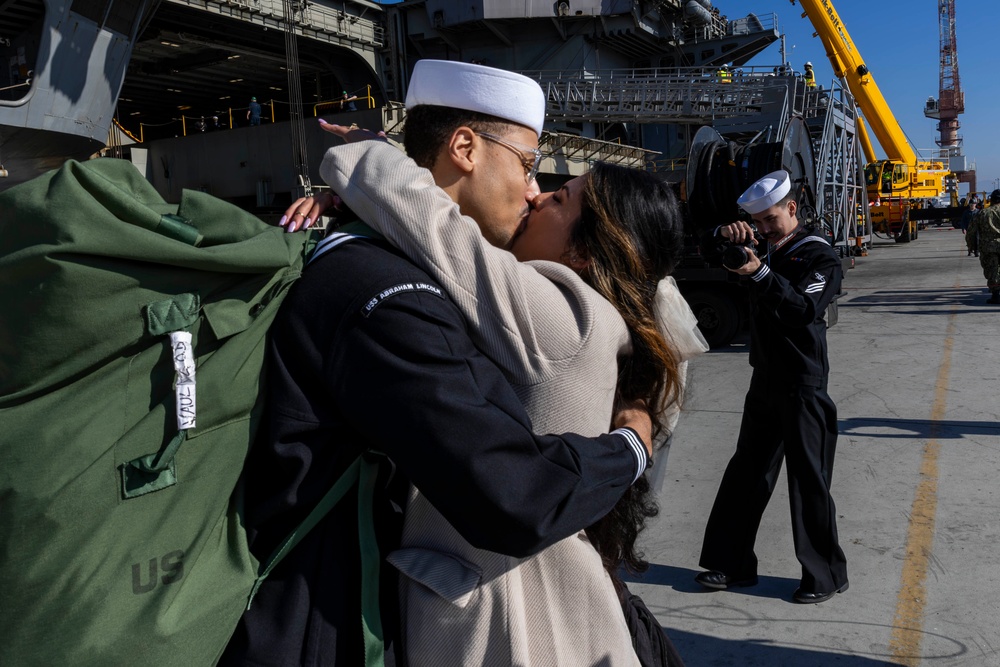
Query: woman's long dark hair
x,y
630,230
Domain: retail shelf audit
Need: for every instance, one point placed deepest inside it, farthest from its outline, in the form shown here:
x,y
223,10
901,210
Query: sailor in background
x,y
788,413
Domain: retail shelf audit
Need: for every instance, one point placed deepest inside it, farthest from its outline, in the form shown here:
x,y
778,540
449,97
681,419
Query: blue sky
x,y
899,42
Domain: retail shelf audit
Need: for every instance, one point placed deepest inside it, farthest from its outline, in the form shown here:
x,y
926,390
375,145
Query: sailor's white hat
x,y
488,90
765,192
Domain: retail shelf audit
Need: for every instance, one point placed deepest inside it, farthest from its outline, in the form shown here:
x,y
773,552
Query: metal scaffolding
x,y
562,152
841,201
692,95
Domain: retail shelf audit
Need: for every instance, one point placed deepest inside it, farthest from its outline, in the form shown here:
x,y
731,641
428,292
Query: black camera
x,y
735,255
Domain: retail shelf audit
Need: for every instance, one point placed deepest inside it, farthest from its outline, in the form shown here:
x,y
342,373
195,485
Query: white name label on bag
x,y
180,344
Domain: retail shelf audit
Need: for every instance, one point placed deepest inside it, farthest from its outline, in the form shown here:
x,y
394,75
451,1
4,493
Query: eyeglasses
x,y
530,164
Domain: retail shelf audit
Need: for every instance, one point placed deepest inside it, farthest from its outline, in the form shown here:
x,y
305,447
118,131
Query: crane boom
x,y
897,185
850,67
866,141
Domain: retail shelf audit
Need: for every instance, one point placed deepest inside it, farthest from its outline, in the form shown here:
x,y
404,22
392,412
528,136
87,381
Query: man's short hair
x,y
789,197
429,127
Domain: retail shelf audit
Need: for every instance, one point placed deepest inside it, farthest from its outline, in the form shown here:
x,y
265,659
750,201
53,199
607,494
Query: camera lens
x,y
735,256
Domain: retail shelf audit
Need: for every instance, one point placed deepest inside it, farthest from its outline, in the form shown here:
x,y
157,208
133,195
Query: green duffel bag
x,y
132,340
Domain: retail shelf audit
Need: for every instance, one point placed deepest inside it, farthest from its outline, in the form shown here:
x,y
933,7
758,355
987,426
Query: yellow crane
x,y
895,184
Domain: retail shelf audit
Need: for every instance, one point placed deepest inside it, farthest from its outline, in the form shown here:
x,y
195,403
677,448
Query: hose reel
x,y
719,170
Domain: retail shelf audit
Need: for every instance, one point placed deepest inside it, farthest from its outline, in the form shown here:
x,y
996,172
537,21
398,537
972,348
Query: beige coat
x,y
558,342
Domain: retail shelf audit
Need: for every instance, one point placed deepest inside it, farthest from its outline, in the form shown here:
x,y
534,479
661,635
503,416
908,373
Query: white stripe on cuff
x,y
639,449
761,273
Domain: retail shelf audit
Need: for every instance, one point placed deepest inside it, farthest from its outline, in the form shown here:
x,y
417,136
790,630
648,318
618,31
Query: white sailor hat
x,y
487,90
766,192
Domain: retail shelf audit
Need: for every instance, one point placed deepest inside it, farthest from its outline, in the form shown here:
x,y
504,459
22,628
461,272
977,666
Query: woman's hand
x,y
304,211
635,415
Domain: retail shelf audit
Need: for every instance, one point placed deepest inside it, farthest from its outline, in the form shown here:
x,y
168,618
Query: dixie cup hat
x,y
765,192
488,90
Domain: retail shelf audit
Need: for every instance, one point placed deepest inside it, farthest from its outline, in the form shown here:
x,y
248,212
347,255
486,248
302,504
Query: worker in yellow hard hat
x,y
809,76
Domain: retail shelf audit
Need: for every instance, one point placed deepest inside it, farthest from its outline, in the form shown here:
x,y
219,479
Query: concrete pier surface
x,y
915,362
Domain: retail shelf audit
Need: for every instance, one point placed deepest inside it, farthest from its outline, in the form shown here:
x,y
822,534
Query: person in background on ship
x,y
347,102
253,113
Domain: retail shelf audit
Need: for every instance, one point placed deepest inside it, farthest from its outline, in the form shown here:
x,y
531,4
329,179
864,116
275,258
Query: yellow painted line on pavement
x,y
907,628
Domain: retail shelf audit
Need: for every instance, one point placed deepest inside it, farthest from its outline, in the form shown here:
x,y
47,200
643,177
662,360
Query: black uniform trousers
x,y
781,420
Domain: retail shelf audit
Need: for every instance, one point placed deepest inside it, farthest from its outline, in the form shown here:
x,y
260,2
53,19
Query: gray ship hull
x,y
60,103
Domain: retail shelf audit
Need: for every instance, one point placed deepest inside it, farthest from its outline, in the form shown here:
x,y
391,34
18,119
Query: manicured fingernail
x,y
323,122
284,219
307,222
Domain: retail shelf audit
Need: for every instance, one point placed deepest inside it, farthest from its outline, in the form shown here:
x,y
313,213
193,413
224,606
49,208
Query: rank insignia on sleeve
x,y
816,286
399,289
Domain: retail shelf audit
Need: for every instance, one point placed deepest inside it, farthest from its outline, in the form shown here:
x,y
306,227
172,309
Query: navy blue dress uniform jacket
x,y
789,297
369,353
787,416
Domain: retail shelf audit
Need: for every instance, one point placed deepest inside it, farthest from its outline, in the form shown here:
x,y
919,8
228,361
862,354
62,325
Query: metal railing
x,y
338,104
191,124
585,150
12,96
317,17
675,94
720,27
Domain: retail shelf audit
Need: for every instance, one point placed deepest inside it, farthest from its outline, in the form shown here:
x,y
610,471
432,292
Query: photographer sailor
x,y
787,413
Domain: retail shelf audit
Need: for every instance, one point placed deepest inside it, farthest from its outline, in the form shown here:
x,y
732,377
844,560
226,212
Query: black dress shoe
x,y
718,581
804,597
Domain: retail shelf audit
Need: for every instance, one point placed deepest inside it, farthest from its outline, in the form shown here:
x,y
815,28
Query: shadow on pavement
x,y
705,651
681,579
719,609
879,427
895,300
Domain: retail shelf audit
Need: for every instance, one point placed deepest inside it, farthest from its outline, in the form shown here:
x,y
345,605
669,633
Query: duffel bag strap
x,y
363,470
371,618
326,503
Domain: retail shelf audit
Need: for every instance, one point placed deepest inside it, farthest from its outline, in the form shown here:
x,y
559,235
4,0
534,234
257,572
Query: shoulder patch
x,y
401,288
817,286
